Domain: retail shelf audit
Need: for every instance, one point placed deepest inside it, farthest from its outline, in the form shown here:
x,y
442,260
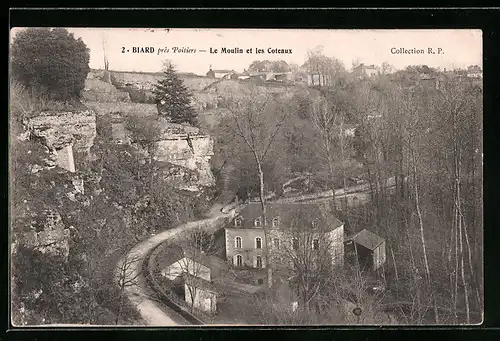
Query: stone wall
x,y
97,90
146,80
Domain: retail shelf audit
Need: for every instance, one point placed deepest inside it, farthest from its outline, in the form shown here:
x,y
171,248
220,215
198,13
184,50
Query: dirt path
x,y
154,313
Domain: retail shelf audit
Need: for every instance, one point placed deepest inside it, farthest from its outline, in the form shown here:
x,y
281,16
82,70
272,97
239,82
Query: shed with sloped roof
x,y
369,247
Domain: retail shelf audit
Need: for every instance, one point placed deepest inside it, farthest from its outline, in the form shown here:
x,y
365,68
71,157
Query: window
x,y
239,260
237,222
295,243
257,222
258,243
237,242
315,244
276,221
259,262
276,243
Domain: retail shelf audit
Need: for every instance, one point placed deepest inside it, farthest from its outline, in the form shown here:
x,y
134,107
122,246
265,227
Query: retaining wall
x,y
210,225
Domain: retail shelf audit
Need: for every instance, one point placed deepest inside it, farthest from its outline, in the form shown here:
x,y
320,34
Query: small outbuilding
x,y
201,291
196,279
369,248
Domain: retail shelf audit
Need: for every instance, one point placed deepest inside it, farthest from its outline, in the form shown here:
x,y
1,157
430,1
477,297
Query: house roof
x,y
285,212
367,239
199,282
222,71
258,73
474,68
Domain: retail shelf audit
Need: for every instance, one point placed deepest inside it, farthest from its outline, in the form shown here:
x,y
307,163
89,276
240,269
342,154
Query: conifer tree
x,y
173,98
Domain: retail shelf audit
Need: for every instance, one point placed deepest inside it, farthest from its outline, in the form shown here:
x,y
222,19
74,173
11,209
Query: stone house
x,y
246,243
226,74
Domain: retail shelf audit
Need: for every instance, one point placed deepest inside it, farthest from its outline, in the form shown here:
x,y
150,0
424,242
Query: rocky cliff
x,y
50,138
182,152
60,129
185,147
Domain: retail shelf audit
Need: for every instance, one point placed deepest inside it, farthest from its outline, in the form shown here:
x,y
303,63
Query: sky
x,y
459,48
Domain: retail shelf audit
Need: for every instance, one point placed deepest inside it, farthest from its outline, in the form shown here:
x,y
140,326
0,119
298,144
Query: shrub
x,y
115,82
51,61
136,96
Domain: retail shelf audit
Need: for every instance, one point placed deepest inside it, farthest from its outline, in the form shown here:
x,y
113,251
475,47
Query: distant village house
x,y
363,70
221,74
474,71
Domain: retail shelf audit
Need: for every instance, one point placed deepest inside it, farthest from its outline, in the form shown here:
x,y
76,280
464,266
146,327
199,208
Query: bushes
x,y
139,96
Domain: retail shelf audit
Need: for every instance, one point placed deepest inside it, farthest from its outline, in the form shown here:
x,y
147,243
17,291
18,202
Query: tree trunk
x,y
120,303
395,266
455,293
459,211
472,272
422,238
264,224
342,156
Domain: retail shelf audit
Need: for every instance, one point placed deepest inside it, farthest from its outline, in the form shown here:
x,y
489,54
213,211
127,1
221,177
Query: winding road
x,y
153,312
141,295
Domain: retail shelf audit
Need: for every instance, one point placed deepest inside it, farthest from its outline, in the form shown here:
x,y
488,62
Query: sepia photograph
x,y
245,177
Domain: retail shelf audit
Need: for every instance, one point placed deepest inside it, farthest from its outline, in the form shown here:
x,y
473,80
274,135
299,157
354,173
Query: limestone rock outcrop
x,y
59,129
182,152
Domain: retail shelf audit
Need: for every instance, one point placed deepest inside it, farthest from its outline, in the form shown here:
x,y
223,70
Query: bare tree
x,y
328,119
195,246
146,133
257,120
127,276
308,252
107,76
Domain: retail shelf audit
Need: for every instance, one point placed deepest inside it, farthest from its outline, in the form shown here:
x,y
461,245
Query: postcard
x,y
245,177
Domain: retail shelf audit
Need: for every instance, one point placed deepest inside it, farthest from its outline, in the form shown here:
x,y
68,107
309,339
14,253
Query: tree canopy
x,y
173,98
51,61
271,66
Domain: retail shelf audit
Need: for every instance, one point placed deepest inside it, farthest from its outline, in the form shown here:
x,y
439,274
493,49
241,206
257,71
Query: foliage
x,y
48,287
174,99
270,66
50,61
